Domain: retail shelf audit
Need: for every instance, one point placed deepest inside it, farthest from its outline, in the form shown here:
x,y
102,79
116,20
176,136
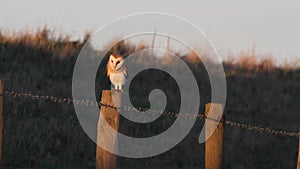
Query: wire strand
x,y
128,108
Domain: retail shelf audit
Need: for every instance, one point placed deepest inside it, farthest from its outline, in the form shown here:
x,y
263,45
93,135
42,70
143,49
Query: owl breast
x,y
117,77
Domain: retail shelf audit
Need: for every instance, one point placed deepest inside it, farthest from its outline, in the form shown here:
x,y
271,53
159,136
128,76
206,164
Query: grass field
x,y
40,134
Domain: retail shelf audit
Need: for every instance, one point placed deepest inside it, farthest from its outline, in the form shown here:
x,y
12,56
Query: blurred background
x,y
233,26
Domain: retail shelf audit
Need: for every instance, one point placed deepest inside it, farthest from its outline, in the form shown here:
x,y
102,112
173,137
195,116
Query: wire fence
x,y
70,101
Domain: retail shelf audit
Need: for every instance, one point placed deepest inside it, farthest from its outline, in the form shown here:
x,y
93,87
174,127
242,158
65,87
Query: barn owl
x,y
116,71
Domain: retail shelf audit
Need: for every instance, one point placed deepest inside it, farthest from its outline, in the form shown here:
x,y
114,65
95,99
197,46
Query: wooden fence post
x,y
214,144
104,159
1,122
298,164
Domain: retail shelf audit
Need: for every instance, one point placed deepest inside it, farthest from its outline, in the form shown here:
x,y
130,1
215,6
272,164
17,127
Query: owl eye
x,y
118,62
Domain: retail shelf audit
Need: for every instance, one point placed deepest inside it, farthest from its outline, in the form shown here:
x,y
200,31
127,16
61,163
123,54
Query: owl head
x,y
115,61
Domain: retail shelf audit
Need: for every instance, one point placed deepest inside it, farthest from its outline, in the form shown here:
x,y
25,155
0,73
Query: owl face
x,y
115,62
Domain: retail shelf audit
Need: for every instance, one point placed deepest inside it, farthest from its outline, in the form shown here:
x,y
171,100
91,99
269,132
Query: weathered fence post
x,y
214,144
105,159
1,122
298,164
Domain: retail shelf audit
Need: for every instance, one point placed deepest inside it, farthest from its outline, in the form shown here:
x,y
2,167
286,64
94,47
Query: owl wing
x,y
108,71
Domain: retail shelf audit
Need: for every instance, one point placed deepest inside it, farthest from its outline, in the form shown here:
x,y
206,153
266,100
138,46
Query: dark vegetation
x,y
41,134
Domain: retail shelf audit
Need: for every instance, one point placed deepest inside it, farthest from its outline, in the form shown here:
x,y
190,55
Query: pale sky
x,y
232,25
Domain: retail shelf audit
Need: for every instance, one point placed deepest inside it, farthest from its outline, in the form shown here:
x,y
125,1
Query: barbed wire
x,y
128,108
54,99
